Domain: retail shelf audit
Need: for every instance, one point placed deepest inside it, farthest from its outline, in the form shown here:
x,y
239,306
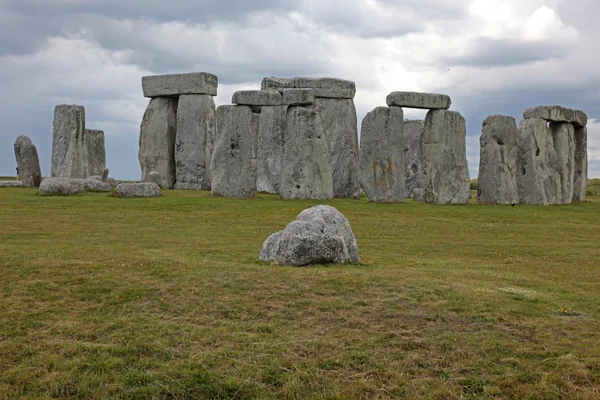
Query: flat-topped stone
x,y
175,85
298,97
323,87
257,98
11,184
61,186
557,114
143,189
427,101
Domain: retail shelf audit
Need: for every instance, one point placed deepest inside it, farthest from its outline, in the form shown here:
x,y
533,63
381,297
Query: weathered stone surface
x,y
323,87
154,177
498,161
445,173
157,139
563,139
194,143
339,120
412,157
538,181
94,185
11,184
298,97
143,189
581,165
61,186
382,166
233,165
68,147
104,176
319,235
28,162
178,84
257,98
557,114
306,164
270,148
95,152
427,101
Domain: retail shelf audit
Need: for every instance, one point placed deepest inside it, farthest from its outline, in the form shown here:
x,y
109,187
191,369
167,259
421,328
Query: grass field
x,y
165,299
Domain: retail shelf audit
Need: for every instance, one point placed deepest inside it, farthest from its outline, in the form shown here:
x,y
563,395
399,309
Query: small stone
x,y
257,98
427,101
298,97
68,146
178,84
143,189
28,162
323,87
95,152
61,186
557,114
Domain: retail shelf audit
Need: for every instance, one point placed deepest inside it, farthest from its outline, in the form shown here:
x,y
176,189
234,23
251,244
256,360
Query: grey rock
x,y
111,181
557,114
412,157
178,84
28,162
498,161
95,152
319,235
68,147
233,165
94,185
157,139
298,97
257,98
445,173
339,120
61,186
323,87
418,194
538,181
270,148
143,189
11,184
194,143
154,177
563,139
382,166
306,163
581,165
427,101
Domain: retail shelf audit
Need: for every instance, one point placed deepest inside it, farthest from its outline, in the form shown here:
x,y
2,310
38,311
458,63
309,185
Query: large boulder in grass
x,y
61,186
144,189
319,235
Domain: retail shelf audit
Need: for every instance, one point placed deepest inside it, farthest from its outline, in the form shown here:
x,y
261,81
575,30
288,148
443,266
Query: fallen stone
x,y
257,98
157,139
306,162
28,162
323,87
339,120
143,189
68,147
557,114
61,186
179,84
427,101
270,148
233,165
382,166
95,152
11,184
94,185
298,97
194,142
412,157
498,161
445,173
563,140
154,177
319,235
581,165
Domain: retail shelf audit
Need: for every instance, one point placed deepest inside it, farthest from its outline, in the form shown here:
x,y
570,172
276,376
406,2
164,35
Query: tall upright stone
x,y
498,161
306,163
270,148
445,173
68,146
233,165
194,141
157,139
412,155
563,139
28,162
581,164
95,152
382,165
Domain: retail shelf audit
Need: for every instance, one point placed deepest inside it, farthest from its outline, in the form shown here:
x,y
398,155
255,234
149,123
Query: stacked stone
x,y
178,129
552,156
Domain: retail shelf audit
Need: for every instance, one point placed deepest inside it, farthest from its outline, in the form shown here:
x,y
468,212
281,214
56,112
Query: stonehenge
x,y
28,162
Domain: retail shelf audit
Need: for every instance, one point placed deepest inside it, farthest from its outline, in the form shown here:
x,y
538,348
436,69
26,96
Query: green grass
x,y
165,299
593,188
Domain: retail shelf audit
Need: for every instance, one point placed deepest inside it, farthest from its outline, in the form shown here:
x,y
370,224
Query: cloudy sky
x,y
490,56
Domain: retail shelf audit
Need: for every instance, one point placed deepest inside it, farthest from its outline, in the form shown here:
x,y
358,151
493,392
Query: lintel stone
x,y
427,101
175,85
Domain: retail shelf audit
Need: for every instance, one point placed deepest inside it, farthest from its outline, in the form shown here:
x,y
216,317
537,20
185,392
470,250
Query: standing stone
x,y
563,139
306,163
194,141
95,152
412,157
538,181
581,165
270,148
157,139
498,161
28,162
68,148
233,165
382,164
339,121
445,177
